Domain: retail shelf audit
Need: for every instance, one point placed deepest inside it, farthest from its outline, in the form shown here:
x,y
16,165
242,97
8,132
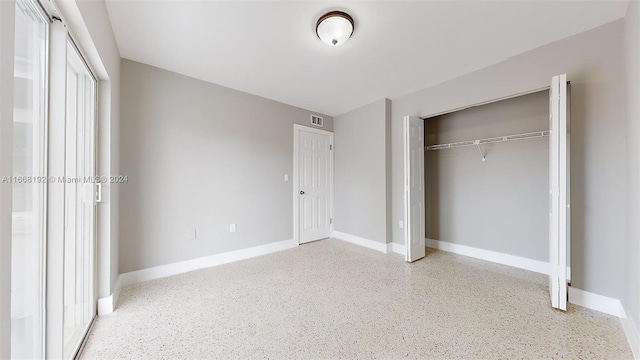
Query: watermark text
x,y
33,179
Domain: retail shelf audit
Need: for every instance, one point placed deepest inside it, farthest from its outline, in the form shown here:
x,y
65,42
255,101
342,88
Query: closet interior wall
x,y
500,204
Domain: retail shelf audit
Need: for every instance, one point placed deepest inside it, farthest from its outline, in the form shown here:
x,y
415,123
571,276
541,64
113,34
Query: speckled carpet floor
x,y
331,299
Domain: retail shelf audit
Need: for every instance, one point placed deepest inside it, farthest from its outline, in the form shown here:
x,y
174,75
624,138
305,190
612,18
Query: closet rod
x,y
491,140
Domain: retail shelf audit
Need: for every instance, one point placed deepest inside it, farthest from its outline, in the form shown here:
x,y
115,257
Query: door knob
x,y
301,192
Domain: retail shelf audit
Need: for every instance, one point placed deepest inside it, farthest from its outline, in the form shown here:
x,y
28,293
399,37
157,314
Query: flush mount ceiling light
x,y
334,28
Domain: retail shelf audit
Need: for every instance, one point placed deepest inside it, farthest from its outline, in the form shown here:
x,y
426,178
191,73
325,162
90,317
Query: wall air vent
x,y
317,120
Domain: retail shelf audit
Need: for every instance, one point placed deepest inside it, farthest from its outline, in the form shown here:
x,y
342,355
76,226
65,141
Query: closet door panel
x,y
559,226
414,189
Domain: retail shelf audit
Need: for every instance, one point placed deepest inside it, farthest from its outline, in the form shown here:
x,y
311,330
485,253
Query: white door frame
x,y
296,199
54,341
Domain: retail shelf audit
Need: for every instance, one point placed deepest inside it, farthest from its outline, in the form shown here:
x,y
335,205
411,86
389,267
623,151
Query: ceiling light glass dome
x,y
334,28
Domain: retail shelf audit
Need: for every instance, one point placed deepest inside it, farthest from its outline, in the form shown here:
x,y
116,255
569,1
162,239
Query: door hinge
x,y
330,147
330,221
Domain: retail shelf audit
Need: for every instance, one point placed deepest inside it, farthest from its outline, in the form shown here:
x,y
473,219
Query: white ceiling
x,y
270,48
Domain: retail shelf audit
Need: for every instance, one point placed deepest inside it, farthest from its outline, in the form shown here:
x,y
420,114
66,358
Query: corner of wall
x,y
630,327
363,172
108,304
388,169
115,170
632,128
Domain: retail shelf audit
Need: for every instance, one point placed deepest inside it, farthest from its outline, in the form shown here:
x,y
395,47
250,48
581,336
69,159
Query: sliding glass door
x,y
28,187
79,228
53,297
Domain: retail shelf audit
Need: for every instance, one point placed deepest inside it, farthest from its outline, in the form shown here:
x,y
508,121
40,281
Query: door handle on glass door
x,y
301,192
98,192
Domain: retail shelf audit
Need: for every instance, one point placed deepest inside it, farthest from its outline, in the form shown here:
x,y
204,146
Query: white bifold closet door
x,y
414,188
559,220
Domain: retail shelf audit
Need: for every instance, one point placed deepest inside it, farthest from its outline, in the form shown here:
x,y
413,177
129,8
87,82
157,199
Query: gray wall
x,y
632,62
201,156
500,204
593,63
362,172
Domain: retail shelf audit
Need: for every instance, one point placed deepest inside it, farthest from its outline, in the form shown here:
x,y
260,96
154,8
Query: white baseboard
x,y
496,257
108,304
577,296
596,302
631,330
396,248
374,245
203,262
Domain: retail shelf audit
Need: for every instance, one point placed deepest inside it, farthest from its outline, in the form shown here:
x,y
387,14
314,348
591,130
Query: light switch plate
x,y
286,177
232,228
401,224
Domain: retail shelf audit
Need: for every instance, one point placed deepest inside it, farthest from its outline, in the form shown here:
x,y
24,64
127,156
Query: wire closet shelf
x,y
490,140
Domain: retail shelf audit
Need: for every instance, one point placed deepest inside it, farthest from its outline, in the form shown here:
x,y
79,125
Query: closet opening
x,y
495,183
483,191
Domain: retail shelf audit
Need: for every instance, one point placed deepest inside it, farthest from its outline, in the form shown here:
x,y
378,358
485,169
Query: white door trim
x,y
490,101
296,131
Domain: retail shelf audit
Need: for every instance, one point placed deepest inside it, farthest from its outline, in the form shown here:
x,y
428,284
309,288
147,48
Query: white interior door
x,y
414,188
314,183
559,225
